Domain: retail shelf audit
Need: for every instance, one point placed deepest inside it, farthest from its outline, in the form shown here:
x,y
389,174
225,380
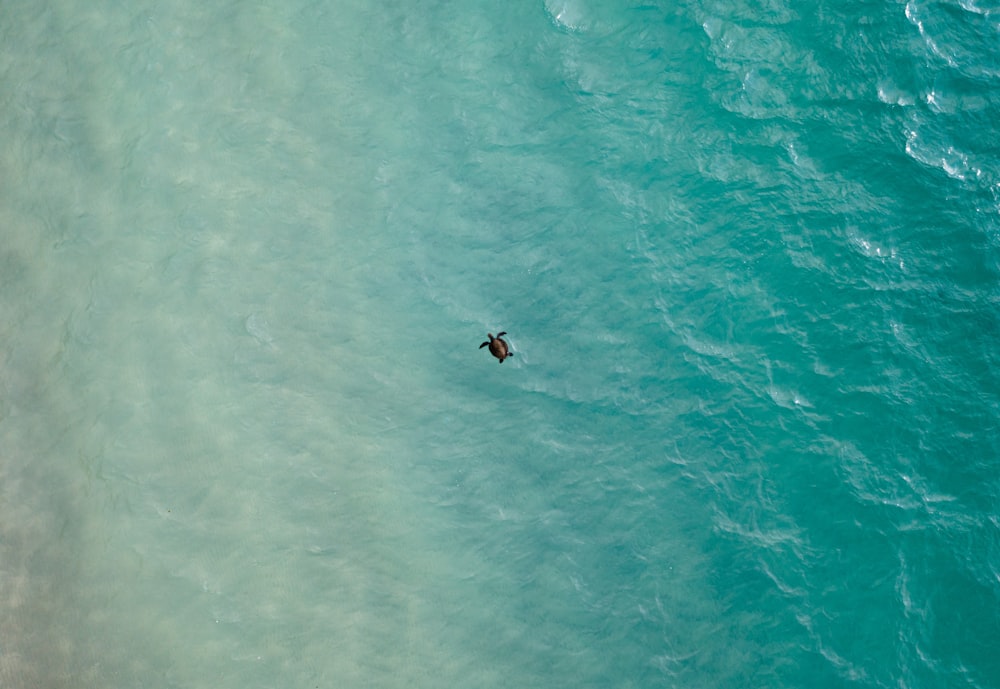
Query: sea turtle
x,y
498,347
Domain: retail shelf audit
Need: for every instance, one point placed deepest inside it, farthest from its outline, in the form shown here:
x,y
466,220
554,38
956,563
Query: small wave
x,y
971,6
946,157
964,41
257,327
788,399
565,14
890,94
873,249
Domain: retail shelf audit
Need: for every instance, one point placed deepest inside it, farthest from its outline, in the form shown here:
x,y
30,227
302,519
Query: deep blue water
x,y
747,255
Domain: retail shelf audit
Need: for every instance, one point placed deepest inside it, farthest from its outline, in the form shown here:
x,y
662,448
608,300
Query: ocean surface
x,y
747,254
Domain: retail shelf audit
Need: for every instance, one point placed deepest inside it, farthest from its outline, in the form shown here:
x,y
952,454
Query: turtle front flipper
x,y
502,334
484,344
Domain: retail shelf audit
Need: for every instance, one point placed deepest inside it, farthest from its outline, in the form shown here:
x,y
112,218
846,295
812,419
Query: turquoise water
x,y
747,254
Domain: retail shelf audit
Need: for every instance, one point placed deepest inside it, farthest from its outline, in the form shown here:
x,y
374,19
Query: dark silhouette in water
x,y
498,347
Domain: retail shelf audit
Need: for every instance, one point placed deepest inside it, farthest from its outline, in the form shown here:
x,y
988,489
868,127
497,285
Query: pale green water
x,y
747,256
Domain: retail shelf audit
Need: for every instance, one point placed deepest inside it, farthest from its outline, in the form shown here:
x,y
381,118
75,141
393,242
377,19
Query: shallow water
x,y
747,256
